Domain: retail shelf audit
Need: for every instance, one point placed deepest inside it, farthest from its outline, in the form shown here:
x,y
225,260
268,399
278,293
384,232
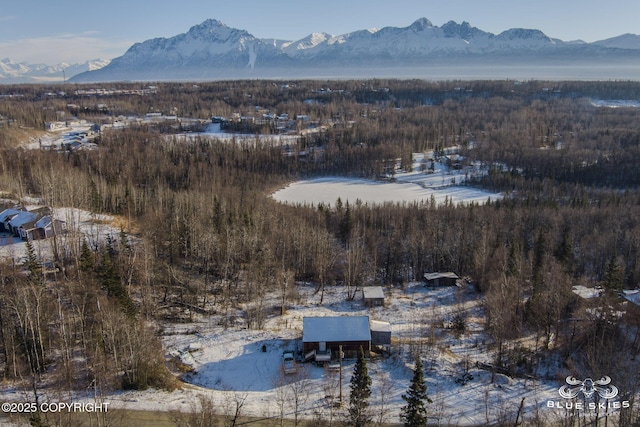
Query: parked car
x,y
288,363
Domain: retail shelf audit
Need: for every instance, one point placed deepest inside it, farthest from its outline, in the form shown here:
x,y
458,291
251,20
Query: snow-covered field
x,y
616,103
416,186
234,363
213,131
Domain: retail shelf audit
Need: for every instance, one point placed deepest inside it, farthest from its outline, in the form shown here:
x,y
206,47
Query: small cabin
x,y
373,296
381,335
441,279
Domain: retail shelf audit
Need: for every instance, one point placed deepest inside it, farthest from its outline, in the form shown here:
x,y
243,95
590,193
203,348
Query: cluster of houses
x,y
36,224
282,123
75,134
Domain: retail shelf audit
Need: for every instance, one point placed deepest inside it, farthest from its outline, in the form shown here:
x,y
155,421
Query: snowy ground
x,y
615,103
229,362
409,187
229,366
213,131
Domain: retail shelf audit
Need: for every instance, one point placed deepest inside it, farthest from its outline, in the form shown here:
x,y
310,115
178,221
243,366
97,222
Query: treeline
x,y
202,233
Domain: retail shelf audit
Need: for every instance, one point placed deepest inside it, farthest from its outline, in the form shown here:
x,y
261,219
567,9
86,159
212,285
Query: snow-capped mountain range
x,y
212,50
14,72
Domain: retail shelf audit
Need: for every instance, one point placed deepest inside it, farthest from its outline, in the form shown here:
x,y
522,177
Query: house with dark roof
x,y
5,217
441,279
18,220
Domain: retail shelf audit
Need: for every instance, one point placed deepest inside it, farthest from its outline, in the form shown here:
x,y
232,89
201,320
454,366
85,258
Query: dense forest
x,y
200,230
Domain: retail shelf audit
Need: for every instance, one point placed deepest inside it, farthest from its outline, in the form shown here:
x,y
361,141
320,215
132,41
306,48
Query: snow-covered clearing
x,y
418,186
213,131
615,103
231,362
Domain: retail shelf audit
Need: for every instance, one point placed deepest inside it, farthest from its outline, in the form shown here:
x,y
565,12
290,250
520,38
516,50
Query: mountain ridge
x,y
212,50
12,72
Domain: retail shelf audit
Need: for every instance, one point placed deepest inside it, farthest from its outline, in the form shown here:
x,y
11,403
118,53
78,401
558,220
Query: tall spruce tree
x,y
359,415
414,413
614,275
87,261
31,262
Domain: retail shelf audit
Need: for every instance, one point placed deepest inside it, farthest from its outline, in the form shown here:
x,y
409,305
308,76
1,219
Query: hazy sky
x,y
53,31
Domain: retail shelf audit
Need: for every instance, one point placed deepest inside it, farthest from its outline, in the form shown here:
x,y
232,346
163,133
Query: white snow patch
x,y
328,190
252,57
213,131
416,186
615,103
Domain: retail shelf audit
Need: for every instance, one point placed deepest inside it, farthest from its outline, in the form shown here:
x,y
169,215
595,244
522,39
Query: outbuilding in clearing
x,y
373,296
441,279
381,335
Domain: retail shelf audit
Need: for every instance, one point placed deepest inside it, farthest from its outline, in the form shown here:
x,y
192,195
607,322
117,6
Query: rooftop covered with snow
x,y
336,329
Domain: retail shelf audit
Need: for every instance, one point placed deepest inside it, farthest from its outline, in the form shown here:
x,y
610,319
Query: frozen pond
x,y
328,189
440,185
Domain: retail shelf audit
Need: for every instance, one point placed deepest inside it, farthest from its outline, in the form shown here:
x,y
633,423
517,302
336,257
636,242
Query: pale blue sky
x,y
53,31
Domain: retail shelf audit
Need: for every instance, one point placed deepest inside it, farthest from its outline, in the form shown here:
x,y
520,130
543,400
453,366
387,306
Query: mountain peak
x,y
212,29
421,24
12,72
523,33
464,30
624,41
208,24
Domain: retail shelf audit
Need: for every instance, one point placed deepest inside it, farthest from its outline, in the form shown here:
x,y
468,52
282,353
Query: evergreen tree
x,y
111,282
87,262
35,272
359,415
346,225
414,413
614,275
564,251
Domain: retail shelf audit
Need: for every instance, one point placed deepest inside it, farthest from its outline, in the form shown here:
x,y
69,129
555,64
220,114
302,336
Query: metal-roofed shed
x,y
373,296
441,279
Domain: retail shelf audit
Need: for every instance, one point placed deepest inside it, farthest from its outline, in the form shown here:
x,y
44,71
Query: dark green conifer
x,y
414,413
359,415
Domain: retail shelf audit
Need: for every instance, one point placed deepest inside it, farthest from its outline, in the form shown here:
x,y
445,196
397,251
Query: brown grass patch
x,y
14,136
122,223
